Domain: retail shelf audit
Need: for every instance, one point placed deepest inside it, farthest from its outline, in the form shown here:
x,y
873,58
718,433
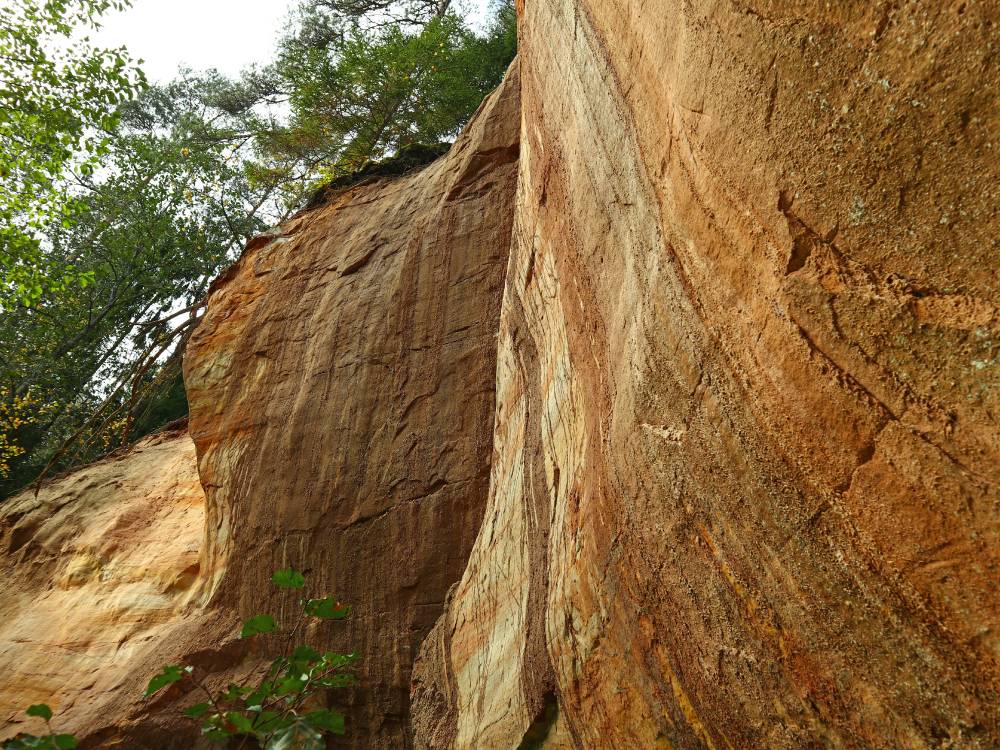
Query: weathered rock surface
x,y
341,389
100,584
729,402
746,489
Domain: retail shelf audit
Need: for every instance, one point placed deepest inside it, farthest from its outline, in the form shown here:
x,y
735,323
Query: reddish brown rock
x,y
746,491
341,388
342,395
734,422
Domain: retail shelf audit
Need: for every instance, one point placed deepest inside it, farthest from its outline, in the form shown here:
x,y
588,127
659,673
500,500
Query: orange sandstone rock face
x,y
717,355
341,389
746,484
100,587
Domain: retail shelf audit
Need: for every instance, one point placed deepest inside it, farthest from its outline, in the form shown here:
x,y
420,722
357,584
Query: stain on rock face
x,y
745,489
101,580
659,413
341,388
342,398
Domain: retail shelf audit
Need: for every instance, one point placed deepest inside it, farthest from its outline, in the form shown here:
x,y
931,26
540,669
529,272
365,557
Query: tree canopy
x,y
58,104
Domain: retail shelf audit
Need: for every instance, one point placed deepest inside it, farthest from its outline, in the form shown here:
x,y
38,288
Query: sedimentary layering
x,y
718,357
100,586
746,485
341,389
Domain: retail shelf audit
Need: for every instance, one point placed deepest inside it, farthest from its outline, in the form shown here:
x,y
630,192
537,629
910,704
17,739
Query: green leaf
x,y
258,625
291,684
326,720
235,692
215,734
277,665
242,723
336,681
305,653
168,676
269,721
288,579
333,659
327,609
64,741
261,694
40,710
196,710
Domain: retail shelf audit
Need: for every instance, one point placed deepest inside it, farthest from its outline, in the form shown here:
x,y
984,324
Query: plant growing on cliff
x,y
284,707
360,88
49,741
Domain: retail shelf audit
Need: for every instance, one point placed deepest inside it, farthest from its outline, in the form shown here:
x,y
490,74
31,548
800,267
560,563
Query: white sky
x,y
223,34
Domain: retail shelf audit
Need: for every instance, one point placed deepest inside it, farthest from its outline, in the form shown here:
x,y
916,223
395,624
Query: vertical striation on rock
x,y
342,396
341,390
660,413
746,485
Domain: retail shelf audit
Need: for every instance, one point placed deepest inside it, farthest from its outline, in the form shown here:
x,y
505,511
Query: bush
x,y
278,710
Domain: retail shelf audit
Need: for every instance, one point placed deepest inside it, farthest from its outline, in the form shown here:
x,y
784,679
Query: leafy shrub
x,y
278,710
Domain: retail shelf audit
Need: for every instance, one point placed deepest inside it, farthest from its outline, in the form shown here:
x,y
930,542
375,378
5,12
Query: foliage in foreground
x,y
286,707
48,741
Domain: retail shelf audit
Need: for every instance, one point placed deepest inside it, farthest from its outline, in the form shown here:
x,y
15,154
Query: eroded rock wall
x,y
722,368
100,588
746,491
341,389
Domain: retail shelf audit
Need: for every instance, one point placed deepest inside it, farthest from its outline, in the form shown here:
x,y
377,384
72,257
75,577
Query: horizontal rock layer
x,y
746,489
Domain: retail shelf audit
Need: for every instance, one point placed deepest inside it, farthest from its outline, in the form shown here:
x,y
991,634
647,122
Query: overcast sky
x,y
224,34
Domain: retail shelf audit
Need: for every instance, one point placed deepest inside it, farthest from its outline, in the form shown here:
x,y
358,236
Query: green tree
x,y
171,205
364,78
58,102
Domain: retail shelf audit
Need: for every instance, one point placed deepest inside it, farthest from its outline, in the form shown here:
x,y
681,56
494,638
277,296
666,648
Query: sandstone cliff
x,y
100,573
341,390
681,425
746,490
